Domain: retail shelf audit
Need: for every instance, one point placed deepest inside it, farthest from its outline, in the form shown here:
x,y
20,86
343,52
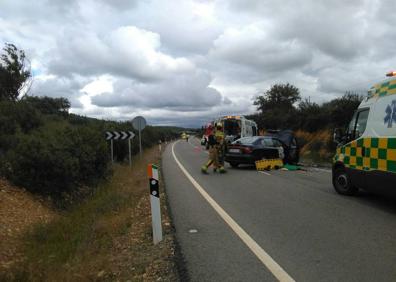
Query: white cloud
x,y
187,92
127,51
192,60
53,86
256,46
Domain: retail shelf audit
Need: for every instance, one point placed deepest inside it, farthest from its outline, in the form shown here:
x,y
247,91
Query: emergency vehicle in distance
x,y
366,152
236,127
208,129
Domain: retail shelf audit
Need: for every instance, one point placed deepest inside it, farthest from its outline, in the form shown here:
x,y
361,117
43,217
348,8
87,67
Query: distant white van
x,y
236,127
366,153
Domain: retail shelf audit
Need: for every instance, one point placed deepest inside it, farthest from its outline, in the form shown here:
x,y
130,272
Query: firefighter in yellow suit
x,y
220,147
216,151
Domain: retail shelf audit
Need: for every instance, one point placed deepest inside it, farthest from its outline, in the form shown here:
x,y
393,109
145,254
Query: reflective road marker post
x,y
155,203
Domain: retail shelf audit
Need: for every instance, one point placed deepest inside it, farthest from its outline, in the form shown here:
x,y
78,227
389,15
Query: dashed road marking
x,y
263,172
262,255
322,169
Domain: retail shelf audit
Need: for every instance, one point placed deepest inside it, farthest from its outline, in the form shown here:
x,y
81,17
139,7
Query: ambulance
x,y
366,152
236,127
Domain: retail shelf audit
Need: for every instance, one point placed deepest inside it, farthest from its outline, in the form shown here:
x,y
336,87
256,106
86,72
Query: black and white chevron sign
x,y
119,135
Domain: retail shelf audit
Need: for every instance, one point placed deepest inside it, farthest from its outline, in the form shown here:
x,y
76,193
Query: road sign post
x,y
140,143
152,171
139,123
120,135
130,153
112,156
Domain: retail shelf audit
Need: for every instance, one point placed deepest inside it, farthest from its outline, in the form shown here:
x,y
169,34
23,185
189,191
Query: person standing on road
x,y
213,157
220,147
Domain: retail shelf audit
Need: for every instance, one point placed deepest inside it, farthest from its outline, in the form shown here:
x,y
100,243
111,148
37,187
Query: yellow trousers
x,y
213,157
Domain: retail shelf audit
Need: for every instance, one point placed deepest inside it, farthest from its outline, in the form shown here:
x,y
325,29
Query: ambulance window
x,y
351,127
361,123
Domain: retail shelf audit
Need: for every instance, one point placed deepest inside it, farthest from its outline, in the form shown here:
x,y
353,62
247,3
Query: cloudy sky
x,y
184,62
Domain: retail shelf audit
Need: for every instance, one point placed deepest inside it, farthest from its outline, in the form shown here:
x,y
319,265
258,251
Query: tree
x,y
311,116
280,96
342,109
276,107
14,72
48,105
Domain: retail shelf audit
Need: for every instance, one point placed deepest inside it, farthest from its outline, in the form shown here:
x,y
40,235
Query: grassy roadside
x,y
107,238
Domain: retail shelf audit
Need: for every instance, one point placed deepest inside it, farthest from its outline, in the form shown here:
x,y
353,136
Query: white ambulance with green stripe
x,y
366,153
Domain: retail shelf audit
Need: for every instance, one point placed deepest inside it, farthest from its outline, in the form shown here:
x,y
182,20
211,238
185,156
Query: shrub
x,y
318,145
57,161
18,115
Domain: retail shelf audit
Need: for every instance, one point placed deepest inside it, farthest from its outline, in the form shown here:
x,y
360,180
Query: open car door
x,y
292,151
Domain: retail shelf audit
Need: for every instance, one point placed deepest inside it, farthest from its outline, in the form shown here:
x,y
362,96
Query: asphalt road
x,y
295,217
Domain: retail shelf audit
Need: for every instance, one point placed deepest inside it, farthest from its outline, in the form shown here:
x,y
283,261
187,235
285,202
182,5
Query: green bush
x,y
51,152
58,161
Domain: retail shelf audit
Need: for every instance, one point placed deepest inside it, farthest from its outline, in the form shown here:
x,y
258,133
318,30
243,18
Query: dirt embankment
x,y
106,238
19,212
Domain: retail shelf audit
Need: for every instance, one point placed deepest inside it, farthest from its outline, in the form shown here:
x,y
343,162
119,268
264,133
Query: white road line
x,y
324,170
263,172
262,255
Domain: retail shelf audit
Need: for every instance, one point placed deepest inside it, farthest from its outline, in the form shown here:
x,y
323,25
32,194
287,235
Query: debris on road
x,y
269,164
292,167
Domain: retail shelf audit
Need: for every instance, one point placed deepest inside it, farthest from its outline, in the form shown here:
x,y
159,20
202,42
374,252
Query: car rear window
x,y
246,140
269,142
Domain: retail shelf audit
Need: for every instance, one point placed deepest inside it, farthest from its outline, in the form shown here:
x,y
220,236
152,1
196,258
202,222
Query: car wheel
x,y
342,182
234,165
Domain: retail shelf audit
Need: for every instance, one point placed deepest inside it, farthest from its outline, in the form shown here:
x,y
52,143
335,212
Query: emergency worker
x,y
220,147
213,156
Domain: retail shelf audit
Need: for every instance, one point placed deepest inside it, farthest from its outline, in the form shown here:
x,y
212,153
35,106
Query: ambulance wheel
x,y
234,165
342,182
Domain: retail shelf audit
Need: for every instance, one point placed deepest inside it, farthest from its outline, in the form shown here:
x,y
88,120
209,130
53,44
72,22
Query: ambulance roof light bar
x,y
392,73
